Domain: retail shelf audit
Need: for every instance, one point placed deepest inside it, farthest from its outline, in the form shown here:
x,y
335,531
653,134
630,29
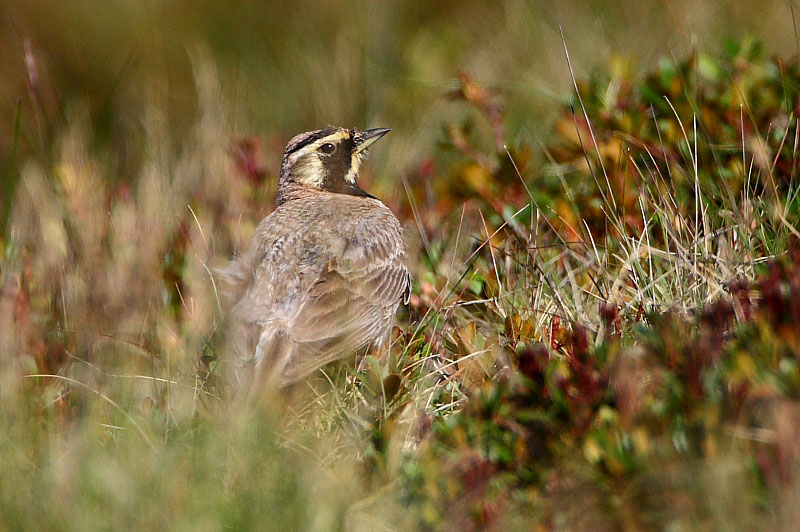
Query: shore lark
x,y
326,270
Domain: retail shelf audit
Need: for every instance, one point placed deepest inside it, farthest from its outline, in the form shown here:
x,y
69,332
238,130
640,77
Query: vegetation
x,y
604,332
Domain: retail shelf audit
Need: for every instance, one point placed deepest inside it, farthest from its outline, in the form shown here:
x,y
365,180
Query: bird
x,y
325,271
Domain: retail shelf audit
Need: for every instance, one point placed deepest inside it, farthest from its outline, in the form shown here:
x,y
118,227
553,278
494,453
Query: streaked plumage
x,y
326,270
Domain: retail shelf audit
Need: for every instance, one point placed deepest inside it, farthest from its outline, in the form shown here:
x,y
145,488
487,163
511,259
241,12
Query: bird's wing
x,y
348,307
262,285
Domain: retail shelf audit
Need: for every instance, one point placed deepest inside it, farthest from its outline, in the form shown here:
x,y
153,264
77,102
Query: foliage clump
x,y
704,132
640,409
693,389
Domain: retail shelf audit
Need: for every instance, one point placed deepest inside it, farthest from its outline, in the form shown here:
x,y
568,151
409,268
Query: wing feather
x,y
325,294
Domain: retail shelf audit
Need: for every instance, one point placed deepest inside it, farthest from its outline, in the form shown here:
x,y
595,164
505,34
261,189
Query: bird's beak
x,y
365,139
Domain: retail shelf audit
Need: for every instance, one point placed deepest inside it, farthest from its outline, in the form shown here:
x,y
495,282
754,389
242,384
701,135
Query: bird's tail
x,y
262,373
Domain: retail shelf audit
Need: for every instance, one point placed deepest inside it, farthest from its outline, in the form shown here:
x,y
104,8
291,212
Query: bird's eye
x,y
328,148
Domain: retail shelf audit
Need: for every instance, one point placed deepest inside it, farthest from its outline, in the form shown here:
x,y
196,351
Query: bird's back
x,y
322,279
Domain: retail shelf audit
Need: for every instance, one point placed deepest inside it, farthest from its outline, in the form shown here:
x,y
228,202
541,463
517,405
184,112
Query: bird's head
x,y
327,159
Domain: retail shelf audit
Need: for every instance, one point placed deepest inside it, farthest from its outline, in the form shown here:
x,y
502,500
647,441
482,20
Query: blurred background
x,y
287,67
140,143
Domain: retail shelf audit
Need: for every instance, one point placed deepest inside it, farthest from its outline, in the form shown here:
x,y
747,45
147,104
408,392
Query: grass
x,y
602,334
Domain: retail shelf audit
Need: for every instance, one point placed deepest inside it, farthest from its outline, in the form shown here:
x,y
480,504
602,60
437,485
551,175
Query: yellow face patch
x,y
351,175
307,165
